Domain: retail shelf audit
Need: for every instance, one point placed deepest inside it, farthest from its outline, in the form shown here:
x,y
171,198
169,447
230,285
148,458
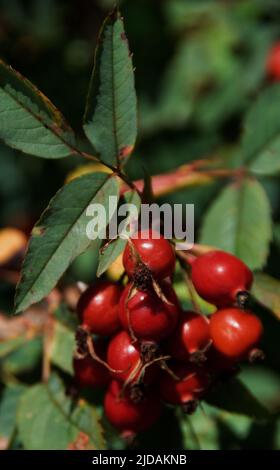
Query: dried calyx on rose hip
x,y
191,339
236,334
185,386
148,316
98,308
88,372
130,418
221,278
148,252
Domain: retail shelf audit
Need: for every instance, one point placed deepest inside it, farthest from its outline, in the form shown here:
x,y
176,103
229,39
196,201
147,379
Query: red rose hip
x,y
98,308
124,358
191,338
192,384
149,317
154,251
130,418
220,278
235,333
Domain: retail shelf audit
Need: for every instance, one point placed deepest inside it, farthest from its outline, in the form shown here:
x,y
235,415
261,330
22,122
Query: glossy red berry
x,y
98,308
124,358
273,62
191,338
149,317
154,251
235,333
220,278
91,373
192,384
128,417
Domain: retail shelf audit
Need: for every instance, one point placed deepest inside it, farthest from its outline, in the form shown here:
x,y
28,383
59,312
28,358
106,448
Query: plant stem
x,y
115,170
189,284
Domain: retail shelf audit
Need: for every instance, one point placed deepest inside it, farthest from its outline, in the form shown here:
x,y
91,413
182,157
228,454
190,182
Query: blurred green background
x,y
199,64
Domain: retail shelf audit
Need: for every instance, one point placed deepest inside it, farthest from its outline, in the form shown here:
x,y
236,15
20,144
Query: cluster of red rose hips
x,y
139,343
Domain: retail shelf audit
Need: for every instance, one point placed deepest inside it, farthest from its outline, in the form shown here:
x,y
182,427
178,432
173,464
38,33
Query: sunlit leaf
x,y
239,221
266,290
60,235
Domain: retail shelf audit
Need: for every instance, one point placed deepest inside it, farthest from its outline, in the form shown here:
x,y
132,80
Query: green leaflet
x,y
28,120
60,235
110,120
244,403
261,138
266,291
62,347
8,409
239,221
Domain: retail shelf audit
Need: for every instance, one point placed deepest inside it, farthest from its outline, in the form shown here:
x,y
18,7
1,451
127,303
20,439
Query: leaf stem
x,y
115,170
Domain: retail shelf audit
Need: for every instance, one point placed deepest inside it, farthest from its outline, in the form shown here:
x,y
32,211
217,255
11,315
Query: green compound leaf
x,y
110,120
28,120
261,138
239,221
116,247
60,235
49,420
